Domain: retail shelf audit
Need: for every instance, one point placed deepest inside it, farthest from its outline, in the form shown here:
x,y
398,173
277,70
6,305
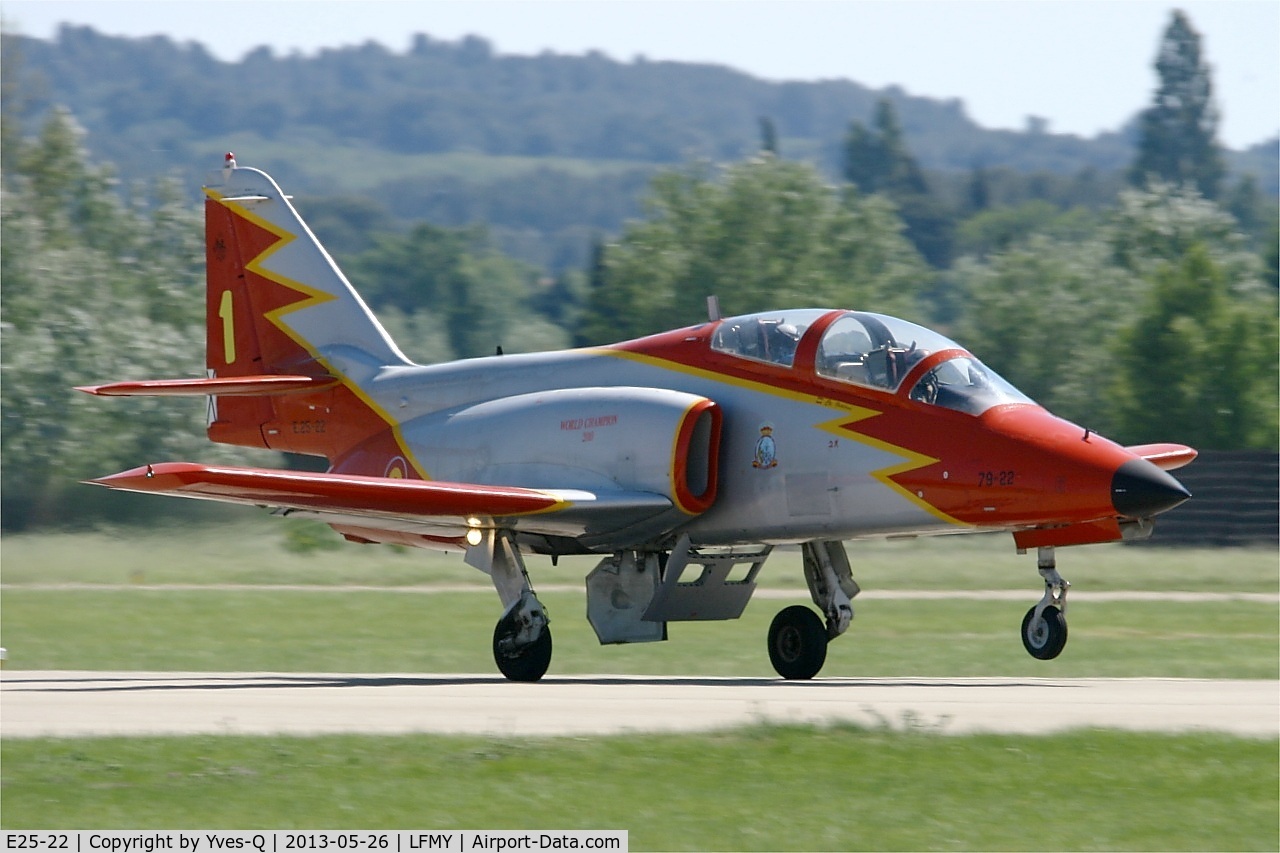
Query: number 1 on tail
x,y
227,315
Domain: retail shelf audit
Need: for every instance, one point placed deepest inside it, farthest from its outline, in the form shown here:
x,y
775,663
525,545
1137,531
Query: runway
x,y
64,704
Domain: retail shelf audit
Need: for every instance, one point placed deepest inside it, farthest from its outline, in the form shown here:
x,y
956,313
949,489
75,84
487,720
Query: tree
x,y
1177,132
1006,226
1044,313
12,101
94,290
764,234
878,161
1162,223
1153,323
978,192
1197,366
768,136
448,294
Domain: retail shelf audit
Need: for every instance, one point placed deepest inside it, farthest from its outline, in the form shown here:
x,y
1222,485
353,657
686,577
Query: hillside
x,y
142,98
547,151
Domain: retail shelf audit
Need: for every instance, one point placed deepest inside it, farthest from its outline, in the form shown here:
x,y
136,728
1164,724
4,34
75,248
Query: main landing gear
x,y
522,638
1044,628
797,637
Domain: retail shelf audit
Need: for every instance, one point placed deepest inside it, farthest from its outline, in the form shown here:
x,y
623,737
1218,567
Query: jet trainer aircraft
x,y
675,457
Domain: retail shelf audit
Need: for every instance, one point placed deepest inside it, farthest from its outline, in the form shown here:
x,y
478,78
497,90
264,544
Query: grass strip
x,y
249,549
763,788
357,631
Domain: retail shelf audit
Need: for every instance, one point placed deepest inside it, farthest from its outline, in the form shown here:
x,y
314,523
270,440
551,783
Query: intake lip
x,y
1140,490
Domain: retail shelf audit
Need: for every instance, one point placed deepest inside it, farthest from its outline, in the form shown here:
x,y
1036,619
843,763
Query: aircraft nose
x,y
1141,490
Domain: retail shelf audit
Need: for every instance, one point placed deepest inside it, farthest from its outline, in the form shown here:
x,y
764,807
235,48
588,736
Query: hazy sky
x,y
1085,65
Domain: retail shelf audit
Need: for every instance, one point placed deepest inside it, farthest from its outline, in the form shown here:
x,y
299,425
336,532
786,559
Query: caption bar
x,y
308,841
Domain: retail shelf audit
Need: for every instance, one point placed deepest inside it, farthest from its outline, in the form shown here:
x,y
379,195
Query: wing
x,y
438,511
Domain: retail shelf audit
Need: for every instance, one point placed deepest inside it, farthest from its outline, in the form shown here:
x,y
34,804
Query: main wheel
x,y
797,643
527,663
1044,637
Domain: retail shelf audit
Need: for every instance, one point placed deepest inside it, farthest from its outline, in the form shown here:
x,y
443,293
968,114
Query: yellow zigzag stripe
x,y
838,426
258,266
313,298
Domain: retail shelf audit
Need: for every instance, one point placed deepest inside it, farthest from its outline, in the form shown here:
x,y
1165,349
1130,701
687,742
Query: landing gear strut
x,y
522,638
1044,628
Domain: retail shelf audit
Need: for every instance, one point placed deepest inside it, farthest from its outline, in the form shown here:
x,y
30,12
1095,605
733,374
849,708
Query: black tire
x,y
1046,639
521,664
797,643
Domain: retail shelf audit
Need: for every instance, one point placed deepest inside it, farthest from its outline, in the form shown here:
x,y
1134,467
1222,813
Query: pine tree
x,y
1177,141
768,136
879,160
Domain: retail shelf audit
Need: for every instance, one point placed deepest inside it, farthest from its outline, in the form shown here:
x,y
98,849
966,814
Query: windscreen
x,y
966,385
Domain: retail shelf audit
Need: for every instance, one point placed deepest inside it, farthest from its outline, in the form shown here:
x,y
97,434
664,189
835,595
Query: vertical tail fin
x,y
278,304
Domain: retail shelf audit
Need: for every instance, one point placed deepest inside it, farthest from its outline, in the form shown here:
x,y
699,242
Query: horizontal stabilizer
x,y
1167,457
218,386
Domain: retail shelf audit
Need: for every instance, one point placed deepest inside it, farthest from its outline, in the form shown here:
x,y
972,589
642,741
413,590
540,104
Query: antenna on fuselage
x,y
713,308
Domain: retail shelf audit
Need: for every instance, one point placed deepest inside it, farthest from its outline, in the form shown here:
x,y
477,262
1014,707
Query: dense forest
x,y
1127,282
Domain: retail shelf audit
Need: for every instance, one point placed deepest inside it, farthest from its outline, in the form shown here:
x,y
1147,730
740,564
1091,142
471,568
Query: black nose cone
x,y
1141,490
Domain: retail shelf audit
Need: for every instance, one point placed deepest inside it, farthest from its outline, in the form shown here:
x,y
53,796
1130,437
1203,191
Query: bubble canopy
x,y
874,351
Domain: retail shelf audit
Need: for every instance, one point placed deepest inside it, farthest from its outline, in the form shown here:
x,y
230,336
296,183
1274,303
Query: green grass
x,y
343,631
763,788
248,549
134,622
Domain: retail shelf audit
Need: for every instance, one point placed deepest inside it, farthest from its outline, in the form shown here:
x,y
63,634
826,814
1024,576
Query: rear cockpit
x,y
772,336
868,350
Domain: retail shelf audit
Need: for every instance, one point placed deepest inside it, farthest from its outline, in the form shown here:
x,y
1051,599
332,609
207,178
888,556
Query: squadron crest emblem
x,y
766,449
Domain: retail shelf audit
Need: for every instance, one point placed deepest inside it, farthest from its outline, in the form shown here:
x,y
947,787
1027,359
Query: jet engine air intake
x,y
595,439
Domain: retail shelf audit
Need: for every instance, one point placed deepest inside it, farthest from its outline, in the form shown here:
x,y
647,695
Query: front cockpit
x,y
869,350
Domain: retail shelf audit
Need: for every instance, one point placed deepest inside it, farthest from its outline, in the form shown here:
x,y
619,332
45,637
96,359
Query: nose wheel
x,y
1044,635
1044,628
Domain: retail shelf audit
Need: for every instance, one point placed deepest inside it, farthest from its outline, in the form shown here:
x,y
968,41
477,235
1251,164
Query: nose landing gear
x,y
1044,628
